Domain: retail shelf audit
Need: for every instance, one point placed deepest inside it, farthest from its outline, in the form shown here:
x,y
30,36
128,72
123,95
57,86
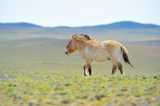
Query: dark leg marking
x,y
114,69
90,71
120,68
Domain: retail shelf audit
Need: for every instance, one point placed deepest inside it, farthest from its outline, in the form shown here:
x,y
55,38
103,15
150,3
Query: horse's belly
x,y
100,57
98,53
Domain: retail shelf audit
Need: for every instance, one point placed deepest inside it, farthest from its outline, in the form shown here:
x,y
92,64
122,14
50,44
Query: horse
x,y
100,51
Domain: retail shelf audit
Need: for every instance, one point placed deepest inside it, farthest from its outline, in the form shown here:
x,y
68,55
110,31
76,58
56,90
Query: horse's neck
x,y
80,44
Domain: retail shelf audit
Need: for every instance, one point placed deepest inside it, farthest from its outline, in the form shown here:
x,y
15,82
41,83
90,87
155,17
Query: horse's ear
x,y
74,35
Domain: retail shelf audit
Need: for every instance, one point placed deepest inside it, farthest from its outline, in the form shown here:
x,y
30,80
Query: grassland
x,y
37,72
25,88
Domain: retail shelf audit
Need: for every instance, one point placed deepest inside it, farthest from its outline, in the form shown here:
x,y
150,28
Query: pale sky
x,y
79,12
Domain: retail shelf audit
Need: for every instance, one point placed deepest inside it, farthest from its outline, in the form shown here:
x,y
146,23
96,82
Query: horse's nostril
x,y
66,52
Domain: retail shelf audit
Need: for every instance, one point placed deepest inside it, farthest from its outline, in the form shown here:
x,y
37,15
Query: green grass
x,y
41,74
26,88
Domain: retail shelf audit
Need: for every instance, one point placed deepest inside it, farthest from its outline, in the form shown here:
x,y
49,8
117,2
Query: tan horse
x,y
101,51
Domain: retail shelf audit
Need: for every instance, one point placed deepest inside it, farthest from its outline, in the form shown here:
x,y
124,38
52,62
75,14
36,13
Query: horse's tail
x,y
125,55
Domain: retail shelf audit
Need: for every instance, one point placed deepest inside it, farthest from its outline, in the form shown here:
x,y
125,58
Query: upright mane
x,y
85,36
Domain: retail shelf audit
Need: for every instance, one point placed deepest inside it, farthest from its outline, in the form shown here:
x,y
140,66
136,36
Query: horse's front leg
x,y
84,68
88,65
89,69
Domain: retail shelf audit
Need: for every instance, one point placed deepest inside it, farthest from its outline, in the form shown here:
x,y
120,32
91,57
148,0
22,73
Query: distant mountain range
x,y
126,25
121,31
116,25
21,24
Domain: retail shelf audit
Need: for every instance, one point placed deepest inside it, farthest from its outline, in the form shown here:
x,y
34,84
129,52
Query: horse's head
x,y
71,47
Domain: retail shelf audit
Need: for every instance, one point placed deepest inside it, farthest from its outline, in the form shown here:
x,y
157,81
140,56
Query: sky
x,y
73,13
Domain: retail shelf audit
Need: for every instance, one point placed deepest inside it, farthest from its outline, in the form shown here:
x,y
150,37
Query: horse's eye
x,y
69,42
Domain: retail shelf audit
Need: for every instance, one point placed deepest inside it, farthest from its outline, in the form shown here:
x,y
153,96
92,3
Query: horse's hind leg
x,y
118,65
120,68
114,69
84,68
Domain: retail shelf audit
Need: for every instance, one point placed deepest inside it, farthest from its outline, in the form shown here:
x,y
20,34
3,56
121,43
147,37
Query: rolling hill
x,y
124,25
21,24
117,25
121,31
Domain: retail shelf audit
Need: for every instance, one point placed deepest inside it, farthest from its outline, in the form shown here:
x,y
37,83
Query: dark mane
x,y
85,36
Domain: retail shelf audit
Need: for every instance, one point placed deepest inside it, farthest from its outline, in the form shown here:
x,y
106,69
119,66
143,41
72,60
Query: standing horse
x,y
101,51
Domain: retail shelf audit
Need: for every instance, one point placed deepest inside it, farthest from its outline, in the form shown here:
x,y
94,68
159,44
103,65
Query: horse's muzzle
x,y
66,52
